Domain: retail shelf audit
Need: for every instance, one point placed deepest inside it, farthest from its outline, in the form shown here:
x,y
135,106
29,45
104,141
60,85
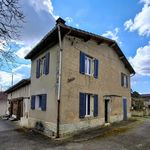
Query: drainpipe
x,y
59,81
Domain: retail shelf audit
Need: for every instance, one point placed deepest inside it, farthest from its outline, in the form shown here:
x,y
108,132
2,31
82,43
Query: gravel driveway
x,y
134,139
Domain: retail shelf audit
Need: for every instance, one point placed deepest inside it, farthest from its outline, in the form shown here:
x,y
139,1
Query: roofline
x,y
81,33
18,85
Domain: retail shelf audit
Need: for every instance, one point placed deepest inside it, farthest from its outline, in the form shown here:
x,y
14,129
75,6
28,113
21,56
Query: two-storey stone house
x,y
79,80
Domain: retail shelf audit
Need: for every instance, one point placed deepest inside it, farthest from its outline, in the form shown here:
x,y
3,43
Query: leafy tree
x,y
135,94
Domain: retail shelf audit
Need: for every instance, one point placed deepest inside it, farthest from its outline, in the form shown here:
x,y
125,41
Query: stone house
x,y
19,101
79,80
3,103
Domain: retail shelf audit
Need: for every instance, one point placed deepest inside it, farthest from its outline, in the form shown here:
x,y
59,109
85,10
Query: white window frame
x,y
37,102
91,105
125,80
42,65
89,66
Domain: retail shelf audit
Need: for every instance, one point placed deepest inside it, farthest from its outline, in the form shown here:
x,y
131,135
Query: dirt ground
x,y
136,137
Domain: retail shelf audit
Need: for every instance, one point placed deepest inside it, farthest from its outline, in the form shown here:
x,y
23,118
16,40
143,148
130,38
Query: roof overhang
x,y
18,85
52,38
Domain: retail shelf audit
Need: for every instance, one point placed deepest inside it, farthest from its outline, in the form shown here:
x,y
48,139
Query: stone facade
x,y
73,82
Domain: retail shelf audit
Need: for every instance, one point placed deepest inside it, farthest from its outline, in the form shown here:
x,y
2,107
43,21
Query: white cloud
x,y
141,61
112,35
23,68
45,5
69,19
141,22
19,73
77,25
6,79
22,52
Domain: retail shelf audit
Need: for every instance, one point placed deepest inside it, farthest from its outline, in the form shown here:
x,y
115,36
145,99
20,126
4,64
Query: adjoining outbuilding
x,y
3,103
19,101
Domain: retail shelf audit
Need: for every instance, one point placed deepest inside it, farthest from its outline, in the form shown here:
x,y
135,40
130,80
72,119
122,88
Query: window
x,y
88,65
38,102
124,80
88,105
42,66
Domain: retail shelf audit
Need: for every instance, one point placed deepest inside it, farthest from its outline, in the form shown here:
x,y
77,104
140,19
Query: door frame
x,y
125,108
106,110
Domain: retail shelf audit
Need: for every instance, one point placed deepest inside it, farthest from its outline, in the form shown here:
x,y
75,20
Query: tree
x,y
135,94
11,18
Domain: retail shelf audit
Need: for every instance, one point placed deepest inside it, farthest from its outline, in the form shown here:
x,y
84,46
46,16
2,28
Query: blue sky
x,y
127,22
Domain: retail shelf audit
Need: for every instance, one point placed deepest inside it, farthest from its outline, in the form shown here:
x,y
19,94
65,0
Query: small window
x,y
89,66
124,80
43,65
38,102
89,105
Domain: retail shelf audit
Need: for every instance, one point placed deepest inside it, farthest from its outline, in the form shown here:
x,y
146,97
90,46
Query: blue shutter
x,y
127,80
95,105
122,79
47,58
32,102
44,67
38,68
96,68
43,102
82,105
82,62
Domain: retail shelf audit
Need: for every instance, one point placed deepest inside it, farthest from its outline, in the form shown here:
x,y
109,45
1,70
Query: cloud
x,y
22,52
39,20
141,22
69,20
6,79
19,73
44,5
112,35
23,69
141,61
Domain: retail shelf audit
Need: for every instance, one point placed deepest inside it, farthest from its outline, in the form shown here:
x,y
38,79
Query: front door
x,y
106,111
124,109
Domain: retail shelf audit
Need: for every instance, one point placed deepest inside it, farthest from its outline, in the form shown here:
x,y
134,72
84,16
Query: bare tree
x,y
11,18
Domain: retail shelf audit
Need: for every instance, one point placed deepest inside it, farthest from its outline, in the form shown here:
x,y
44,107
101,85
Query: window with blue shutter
x,y
32,102
44,100
82,105
88,105
95,105
96,68
88,65
47,60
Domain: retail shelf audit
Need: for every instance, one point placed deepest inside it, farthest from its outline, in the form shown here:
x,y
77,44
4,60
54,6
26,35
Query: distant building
x,y
19,101
3,103
141,105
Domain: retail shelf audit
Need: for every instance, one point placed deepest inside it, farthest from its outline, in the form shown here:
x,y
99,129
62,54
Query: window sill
x,y
89,117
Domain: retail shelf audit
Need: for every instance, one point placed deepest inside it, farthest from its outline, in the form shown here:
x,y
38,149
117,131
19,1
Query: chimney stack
x,y
60,21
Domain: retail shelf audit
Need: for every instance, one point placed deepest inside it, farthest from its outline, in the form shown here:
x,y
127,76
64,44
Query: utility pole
x,y
12,78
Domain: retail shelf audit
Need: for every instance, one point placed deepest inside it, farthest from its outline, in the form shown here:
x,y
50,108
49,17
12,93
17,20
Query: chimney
x,y
60,21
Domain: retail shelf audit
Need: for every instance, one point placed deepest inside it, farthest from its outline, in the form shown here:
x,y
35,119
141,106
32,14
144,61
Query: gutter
x,y
59,81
